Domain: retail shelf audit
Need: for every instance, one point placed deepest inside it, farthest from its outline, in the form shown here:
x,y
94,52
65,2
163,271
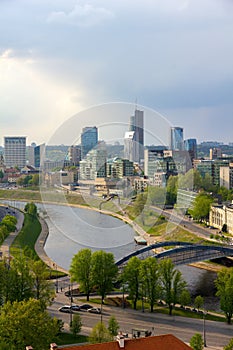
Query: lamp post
x,y
204,330
55,266
71,300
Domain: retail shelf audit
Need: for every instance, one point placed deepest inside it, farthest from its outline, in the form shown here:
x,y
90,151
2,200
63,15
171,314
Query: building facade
x,y
89,139
94,164
15,151
177,138
131,147
137,125
36,155
222,215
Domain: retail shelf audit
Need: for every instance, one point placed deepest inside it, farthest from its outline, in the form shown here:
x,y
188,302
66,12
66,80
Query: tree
x,y
35,179
198,302
157,195
41,286
131,276
171,282
103,272
150,280
196,342
10,222
31,209
113,326
21,280
224,284
229,346
80,270
172,185
139,205
76,325
185,298
23,323
1,175
201,207
99,334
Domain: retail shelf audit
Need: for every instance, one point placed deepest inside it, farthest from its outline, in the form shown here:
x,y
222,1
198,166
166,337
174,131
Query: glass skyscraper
x,y
177,139
89,139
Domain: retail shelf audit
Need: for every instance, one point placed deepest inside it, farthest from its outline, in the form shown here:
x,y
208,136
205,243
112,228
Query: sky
x,y
62,58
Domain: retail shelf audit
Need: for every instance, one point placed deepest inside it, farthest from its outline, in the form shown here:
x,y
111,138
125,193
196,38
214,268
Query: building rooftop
x,y
161,342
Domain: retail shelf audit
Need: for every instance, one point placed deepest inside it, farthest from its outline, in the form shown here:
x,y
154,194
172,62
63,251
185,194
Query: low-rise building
x,y
222,215
159,342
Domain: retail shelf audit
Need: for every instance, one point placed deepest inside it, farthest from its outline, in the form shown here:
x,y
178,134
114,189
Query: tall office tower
x,y
15,151
190,145
137,125
89,139
177,139
36,155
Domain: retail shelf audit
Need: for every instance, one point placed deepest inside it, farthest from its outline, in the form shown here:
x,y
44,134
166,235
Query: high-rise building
x,y
74,155
89,139
137,125
15,151
36,155
176,139
190,145
131,147
94,164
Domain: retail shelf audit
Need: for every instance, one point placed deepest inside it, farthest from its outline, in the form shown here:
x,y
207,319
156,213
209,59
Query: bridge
x,y
181,253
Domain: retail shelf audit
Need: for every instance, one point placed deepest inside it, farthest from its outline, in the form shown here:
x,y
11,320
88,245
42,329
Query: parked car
x,y
75,307
94,310
85,307
66,309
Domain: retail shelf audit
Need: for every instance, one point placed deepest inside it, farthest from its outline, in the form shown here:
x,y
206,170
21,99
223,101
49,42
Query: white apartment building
x,y
15,151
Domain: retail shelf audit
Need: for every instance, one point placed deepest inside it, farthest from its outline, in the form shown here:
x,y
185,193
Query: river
x,y
72,229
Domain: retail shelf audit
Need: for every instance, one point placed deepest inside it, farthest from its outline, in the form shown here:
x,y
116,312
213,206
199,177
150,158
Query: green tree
x,y
229,346
6,346
198,302
150,280
99,334
42,287
103,272
1,175
172,185
35,179
113,326
185,298
76,325
138,206
80,270
21,280
10,222
172,283
31,209
23,323
157,195
196,342
224,284
207,183
131,276
201,207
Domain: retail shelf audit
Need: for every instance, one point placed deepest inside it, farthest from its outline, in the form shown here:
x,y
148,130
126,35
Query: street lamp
x,y
204,330
55,266
71,300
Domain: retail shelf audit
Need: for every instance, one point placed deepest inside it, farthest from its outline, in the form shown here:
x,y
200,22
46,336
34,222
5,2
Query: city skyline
x,y
61,58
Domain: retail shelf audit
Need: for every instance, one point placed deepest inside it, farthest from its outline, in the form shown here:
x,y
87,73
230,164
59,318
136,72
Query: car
x,y
75,307
94,310
66,309
85,307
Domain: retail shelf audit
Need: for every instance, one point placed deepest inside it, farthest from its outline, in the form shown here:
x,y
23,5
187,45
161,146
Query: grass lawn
x,y
27,237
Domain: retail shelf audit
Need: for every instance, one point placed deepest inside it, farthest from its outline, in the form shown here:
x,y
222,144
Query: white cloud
x,y
81,15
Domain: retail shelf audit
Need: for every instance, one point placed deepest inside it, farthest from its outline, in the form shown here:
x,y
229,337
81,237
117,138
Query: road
x,y
218,334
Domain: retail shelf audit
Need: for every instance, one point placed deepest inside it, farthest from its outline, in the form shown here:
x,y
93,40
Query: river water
x,y
72,229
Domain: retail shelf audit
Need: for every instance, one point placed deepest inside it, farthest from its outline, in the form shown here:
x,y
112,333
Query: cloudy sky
x,y
61,57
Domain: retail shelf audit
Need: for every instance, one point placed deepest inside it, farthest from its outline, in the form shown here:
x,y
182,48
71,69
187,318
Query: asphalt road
x,y
218,334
